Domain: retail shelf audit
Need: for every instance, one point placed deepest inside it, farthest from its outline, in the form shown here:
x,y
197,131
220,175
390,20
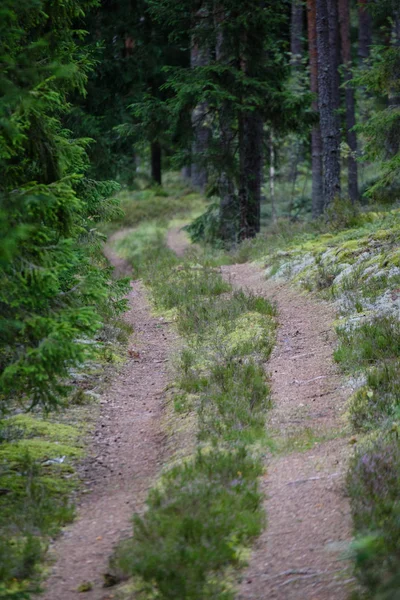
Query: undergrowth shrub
x,y
373,484
198,315
369,342
378,401
197,518
234,402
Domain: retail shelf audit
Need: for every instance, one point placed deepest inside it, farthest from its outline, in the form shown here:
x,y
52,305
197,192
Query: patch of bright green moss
x,y
37,427
252,331
40,450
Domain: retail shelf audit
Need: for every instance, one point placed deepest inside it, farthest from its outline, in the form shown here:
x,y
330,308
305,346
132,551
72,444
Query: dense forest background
x,y
278,112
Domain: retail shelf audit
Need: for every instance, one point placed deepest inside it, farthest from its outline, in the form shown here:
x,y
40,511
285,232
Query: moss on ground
x,y
37,478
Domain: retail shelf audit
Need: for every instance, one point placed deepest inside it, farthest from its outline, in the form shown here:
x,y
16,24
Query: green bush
x,y
197,519
379,400
373,484
369,342
55,287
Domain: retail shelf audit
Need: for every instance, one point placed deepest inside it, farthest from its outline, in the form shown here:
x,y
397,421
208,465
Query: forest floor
x,y
301,552
125,455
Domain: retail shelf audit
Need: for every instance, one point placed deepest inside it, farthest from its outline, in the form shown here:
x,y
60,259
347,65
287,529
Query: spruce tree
x,y
54,285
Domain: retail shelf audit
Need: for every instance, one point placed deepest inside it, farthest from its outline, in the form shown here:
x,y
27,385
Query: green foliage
x,y
383,125
196,519
205,228
36,481
374,488
369,343
55,286
378,402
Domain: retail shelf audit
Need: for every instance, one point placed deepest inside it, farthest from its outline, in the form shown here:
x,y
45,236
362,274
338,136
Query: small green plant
x,y
36,481
369,343
373,484
377,402
197,520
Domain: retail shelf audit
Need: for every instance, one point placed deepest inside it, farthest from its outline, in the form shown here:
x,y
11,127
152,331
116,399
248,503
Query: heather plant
x,y
196,519
369,342
378,401
374,486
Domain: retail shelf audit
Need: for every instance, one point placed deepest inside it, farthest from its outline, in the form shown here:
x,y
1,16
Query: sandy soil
x,y
125,456
300,555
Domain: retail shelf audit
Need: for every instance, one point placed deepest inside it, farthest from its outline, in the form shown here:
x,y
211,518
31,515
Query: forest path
x,y
299,556
125,454
301,553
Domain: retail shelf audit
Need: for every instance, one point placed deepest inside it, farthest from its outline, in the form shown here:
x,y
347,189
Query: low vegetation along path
x,y
300,554
125,457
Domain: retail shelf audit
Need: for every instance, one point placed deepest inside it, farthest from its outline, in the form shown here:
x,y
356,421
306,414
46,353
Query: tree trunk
x,y
250,176
156,162
272,176
316,139
199,57
296,33
228,207
364,30
186,173
334,45
327,99
352,167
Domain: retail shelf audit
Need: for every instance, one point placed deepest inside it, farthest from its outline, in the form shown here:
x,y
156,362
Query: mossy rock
x,y
37,427
39,450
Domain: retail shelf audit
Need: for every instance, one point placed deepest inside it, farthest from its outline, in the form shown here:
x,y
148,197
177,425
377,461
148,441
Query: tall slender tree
x,y
316,139
296,33
344,18
327,97
228,205
364,30
200,57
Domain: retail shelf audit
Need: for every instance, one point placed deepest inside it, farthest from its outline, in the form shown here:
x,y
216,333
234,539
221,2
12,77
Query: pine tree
x,y
364,30
328,85
54,285
200,53
316,138
344,18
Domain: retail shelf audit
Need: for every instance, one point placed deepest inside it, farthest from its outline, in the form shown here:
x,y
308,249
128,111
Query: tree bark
x,y
250,177
316,139
199,57
327,99
296,33
334,45
352,167
228,207
272,176
156,162
364,30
